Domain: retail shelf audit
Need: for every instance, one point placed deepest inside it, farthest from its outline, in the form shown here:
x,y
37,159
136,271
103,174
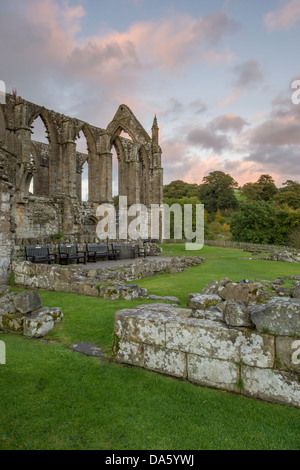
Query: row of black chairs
x,y
68,253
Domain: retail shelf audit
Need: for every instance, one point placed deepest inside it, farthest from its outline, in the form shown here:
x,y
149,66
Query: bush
x,y
294,237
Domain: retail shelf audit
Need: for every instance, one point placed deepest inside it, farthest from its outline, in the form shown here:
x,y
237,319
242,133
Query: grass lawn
x,y
53,398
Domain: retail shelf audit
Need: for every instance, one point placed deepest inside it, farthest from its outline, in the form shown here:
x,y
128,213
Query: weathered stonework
x,y
106,282
23,314
216,347
55,206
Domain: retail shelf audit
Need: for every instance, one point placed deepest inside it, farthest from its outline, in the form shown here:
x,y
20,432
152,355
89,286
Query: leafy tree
x,y
263,190
179,189
219,217
289,194
217,192
286,220
261,222
294,237
254,223
267,187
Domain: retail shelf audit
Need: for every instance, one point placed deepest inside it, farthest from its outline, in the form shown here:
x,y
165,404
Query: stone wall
x,y
248,246
87,281
5,228
208,343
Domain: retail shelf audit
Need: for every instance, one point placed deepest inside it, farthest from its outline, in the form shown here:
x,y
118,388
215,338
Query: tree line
x,y
258,212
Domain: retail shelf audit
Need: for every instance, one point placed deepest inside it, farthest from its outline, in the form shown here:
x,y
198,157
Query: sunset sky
x,y
217,73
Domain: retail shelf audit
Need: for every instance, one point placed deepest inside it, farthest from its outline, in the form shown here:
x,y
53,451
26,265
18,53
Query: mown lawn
x,y
53,398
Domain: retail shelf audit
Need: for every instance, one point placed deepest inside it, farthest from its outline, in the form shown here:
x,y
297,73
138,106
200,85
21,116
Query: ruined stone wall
x,y
235,337
81,280
208,353
54,204
6,223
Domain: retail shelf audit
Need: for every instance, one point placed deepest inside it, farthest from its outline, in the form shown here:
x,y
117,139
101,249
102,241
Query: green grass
x,y
54,398
220,262
239,196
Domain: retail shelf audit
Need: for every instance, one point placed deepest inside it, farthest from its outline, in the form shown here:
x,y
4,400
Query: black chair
x,y
68,253
99,251
137,251
39,254
116,250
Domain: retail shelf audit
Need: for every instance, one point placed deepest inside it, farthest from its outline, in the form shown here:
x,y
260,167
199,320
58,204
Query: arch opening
x,y
39,158
83,177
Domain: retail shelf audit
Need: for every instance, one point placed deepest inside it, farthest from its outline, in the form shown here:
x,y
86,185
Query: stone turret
x,y
155,132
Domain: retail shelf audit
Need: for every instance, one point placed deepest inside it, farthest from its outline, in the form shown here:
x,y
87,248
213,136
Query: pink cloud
x,y
59,23
283,18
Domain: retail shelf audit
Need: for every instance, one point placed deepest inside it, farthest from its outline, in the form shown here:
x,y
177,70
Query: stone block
x,y
7,305
27,302
55,313
288,354
295,289
140,326
213,372
271,385
213,315
165,361
213,286
239,291
129,292
237,314
37,325
130,353
13,323
204,338
258,350
89,290
280,316
203,301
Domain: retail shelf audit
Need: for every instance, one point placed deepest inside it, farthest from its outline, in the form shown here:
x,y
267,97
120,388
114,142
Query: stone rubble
x,y
23,314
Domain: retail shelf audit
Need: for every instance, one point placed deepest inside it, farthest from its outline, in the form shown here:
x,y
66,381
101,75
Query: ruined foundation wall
x,y
209,353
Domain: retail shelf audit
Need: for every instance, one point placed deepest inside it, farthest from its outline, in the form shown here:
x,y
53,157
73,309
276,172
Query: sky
x,y
217,74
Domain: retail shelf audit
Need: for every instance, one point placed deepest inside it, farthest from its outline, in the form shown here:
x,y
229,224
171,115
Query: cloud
x,y
285,17
166,44
73,73
198,106
175,109
277,132
207,139
228,123
247,75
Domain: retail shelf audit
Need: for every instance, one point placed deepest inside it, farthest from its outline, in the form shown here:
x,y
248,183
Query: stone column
x,y
5,231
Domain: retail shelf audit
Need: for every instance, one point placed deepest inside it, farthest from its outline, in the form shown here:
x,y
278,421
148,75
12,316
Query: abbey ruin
x,y
40,184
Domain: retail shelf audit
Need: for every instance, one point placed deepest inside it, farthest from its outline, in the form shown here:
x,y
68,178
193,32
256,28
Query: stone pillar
x,y
68,161
5,231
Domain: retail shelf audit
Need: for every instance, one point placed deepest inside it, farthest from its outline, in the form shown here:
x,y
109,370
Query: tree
x,y
263,190
289,194
294,237
179,189
217,192
261,222
267,187
254,223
